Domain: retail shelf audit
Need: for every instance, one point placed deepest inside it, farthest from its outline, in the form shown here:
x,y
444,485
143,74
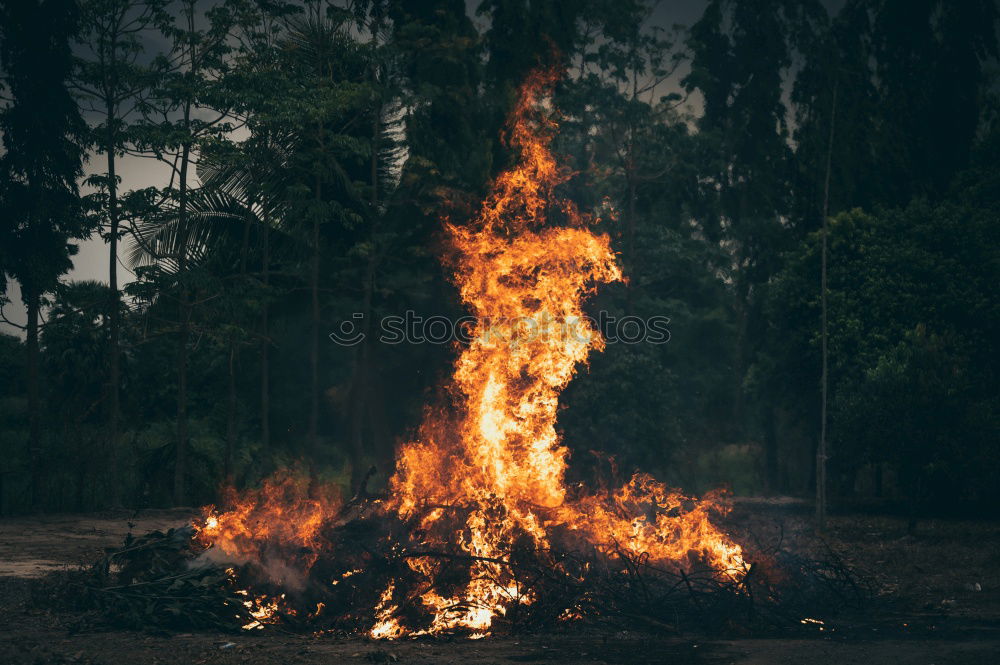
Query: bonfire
x,y
483,483
478,531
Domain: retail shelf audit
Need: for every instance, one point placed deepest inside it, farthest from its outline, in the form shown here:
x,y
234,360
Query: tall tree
x,y
637,170
110,77
257,178
741,54
243,191
929,57
624,93
912,379
42,136
185,109
319,41
74,359
903,84
840,56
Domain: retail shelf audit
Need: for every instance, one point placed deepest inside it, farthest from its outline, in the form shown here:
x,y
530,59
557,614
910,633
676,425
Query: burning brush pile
x,y
478,531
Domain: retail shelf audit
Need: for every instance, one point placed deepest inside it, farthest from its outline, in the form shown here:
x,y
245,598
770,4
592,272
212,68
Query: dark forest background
x,y
309,150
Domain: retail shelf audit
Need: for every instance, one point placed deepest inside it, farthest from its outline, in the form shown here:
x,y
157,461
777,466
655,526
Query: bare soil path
x,y
36,545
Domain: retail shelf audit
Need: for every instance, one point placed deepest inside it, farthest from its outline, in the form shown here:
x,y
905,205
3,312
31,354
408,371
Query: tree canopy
x,y
310,152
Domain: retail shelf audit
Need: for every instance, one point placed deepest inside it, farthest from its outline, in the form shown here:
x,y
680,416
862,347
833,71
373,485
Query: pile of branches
x,y
168,579
155,580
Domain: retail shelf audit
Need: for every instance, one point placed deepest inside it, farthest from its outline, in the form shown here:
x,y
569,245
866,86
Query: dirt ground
x,y
938,600
33,546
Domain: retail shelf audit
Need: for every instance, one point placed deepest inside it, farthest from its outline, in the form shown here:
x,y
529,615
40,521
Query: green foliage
x,y
911,319
312,150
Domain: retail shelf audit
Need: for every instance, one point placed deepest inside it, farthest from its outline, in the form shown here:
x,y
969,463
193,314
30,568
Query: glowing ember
x,y
263,610
486,479
386,625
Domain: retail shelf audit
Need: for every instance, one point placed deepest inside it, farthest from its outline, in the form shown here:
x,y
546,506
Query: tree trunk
x,y
180,465
359,391
265,368
228,472
630,235
312,436
33,302
379,422
821,453
742,308
81,470
630,177
360,387
114,323
770,452
231,401
743,287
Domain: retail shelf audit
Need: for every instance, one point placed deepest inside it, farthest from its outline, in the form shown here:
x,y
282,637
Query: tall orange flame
x,y
524,281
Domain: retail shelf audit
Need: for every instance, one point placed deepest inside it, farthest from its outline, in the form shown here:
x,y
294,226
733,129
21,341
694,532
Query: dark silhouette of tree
x,y
42,136
110,77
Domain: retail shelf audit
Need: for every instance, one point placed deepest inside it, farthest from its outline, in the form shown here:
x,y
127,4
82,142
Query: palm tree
x,y
210,239
249,186
297,179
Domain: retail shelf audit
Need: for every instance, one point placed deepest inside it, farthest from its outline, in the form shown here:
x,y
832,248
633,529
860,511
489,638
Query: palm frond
x,y
214,224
